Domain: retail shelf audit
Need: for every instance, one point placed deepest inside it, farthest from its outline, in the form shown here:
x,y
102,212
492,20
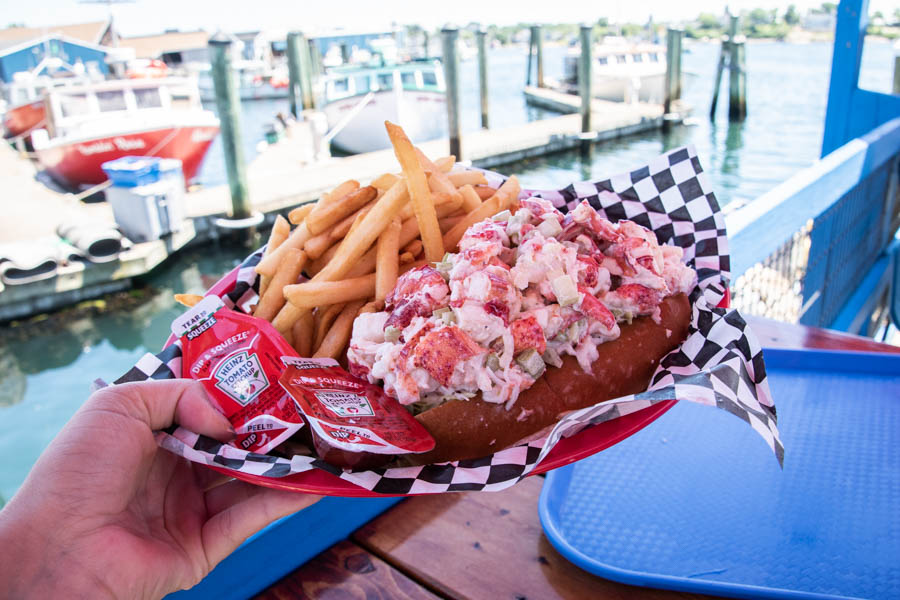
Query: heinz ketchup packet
x,y
349,414
237,358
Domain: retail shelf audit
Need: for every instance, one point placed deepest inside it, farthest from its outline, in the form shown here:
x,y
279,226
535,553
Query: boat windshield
x,y
385,81
147,97
111,100
409,80
73,104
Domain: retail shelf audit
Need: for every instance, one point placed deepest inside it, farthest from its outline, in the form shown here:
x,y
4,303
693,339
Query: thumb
x,y
160,403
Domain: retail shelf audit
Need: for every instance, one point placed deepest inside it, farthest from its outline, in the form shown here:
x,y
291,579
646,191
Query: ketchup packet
x,y
351,419
237,358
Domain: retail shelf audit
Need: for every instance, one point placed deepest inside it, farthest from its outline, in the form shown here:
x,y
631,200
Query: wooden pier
x,y
278,179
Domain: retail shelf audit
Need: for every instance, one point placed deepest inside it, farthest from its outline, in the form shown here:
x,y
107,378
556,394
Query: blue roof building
x,y
26,55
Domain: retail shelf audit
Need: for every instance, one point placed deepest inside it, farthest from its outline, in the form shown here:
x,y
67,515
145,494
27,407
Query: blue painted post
x,y
852,21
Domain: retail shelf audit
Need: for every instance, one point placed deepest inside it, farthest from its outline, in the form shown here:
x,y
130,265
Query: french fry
x,y
359,240
445,163
413,265
414,247
447,223
304,333
488,209
384,182
188,300
317,265
288,272
386,260
285,319
320,219
341,230
318,244
484,192
310,294
437,179
281,229
297,215
470,197
461,178
338,335
406,258
343,189
370,307
325,316
419,194
269,264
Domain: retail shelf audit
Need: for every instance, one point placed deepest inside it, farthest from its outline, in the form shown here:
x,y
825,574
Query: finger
x,y
208,478
244,510
161,403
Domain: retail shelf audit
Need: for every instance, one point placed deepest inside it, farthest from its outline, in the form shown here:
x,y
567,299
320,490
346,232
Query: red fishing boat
x,y
91,124
22,118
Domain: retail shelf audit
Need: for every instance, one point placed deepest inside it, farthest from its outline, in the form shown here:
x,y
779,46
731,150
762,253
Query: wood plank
x,y
486,545
345,571
788,335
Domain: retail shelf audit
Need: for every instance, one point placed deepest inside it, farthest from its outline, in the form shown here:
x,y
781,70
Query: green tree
x,y
791,16
829,8
759,16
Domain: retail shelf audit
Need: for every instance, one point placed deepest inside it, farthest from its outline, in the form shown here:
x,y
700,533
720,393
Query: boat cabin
x,y
425,76
114,105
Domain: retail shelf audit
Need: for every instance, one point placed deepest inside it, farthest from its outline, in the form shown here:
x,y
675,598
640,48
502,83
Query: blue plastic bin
x,y
132,171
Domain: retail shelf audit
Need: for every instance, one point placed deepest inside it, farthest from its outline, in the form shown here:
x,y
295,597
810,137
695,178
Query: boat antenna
x,y
114,38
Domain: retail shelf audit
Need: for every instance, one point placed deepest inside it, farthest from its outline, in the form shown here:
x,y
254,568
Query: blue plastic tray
x,y
277,550
696,501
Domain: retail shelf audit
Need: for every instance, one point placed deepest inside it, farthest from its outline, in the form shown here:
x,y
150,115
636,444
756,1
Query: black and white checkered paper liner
x,y
719,364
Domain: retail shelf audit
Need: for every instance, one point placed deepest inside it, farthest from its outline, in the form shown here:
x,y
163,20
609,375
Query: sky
x,y
151,16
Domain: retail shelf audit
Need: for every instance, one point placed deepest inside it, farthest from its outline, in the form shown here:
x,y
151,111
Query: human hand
x,y
106,513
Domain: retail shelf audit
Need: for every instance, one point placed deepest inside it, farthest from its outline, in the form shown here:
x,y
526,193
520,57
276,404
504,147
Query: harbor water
x,y
47,365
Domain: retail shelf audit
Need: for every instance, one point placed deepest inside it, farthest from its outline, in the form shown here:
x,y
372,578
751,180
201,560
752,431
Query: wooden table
x,y
487,545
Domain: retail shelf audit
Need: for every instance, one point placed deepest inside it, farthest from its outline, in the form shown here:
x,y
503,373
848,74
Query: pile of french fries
x,y
355,241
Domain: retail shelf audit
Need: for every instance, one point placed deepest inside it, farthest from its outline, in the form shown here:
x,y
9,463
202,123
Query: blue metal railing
x,y
800,251
814,249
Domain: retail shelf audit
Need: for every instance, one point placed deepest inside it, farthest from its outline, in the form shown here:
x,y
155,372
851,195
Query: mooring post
x,y
306,72
585,89
451,70
897,74
723,53
480,36
228,104
673,68
538,53
530,53
737,74
426,42
294,83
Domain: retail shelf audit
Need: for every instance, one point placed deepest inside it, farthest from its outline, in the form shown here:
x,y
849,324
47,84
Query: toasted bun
x,y
466,429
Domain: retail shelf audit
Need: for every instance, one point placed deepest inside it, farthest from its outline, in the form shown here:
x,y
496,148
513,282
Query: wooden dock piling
x,y
673,67
294,79
737,94
450,35
228,103
585,89
897,74
480,36
733,53
538,53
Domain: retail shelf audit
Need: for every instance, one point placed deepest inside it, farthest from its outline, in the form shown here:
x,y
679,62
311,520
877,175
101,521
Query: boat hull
x,y
422,114
641,88
75,163
23,118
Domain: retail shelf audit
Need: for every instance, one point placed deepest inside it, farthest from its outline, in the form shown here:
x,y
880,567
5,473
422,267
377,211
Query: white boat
x,y
358,100
623,72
